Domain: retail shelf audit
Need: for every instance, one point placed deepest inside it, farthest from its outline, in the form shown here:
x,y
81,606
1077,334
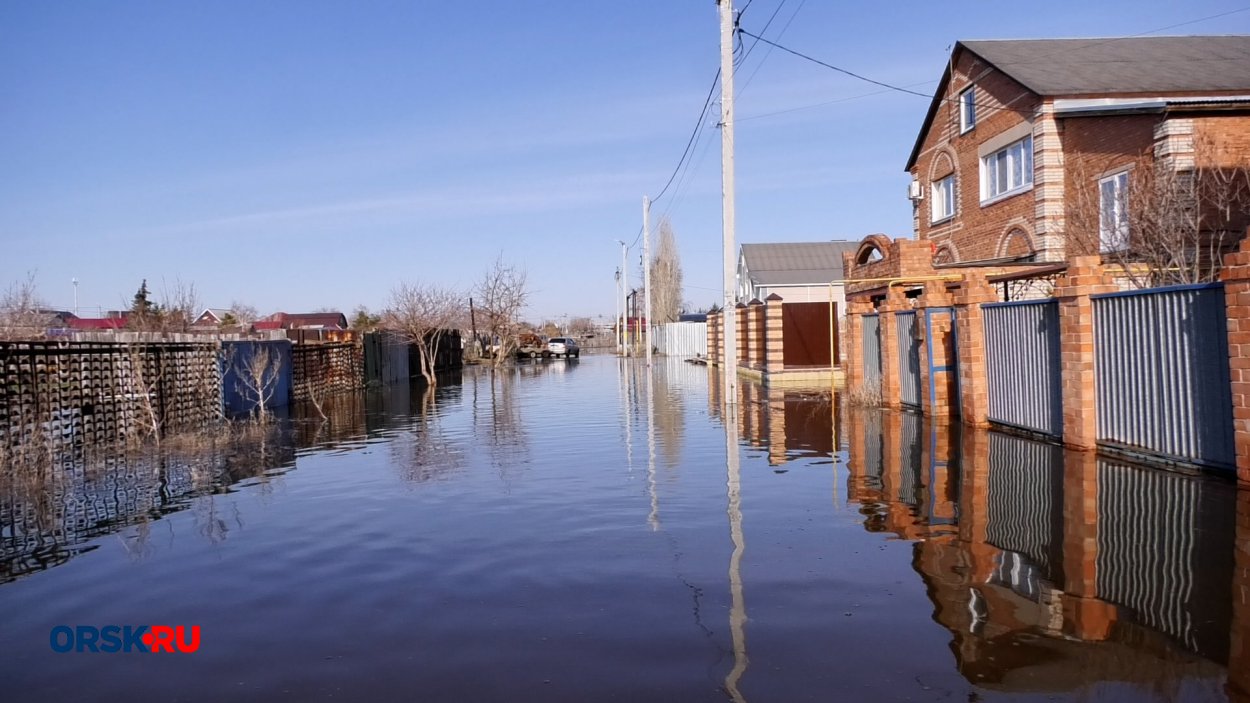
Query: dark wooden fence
x,y
805,329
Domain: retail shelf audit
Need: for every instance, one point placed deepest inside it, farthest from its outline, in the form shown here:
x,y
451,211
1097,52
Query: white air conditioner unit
x,y
915,191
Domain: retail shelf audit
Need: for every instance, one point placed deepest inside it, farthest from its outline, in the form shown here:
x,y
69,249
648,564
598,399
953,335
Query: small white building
x,y
799,272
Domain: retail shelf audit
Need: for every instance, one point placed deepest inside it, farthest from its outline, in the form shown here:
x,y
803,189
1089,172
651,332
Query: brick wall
x,y
975,232
1094,147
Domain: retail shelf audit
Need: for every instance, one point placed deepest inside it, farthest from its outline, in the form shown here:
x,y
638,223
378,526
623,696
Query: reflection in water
x,y
738,609
47,512
1054,569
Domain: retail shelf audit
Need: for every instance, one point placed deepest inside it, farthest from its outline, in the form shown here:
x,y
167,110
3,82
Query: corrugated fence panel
x,y
1022,365
683,339
908,358
1165,546
872,351
1162,369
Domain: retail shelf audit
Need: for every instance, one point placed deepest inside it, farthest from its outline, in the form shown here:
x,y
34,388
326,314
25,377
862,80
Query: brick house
x,y
1029,147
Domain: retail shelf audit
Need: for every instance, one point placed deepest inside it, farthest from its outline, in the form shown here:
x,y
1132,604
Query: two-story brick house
x,y
1030,146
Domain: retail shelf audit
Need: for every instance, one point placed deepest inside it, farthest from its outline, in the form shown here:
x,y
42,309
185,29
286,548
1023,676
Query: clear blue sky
x,y
296,155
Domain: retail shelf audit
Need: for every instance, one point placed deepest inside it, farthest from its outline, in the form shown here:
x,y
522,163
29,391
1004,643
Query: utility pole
x,y
624,299
75,281
646,271
617,302
729,348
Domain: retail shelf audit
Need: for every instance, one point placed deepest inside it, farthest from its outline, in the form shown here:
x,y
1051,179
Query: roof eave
x,y
933,106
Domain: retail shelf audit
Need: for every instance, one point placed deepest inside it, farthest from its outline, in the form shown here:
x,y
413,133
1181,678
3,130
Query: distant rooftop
x,y
795,263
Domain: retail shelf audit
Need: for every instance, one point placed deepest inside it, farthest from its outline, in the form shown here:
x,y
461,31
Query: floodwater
x,y
577,531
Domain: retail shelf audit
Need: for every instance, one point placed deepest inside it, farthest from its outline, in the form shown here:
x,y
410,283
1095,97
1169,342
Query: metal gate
x,y
952,369
872,351
1022,365
1162,368
908,359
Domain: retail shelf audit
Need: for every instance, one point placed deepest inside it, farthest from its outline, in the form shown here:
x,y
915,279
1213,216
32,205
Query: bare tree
x,y
256,377
422,314
21,310
581,326
365,321
504,293
1159,223
666,278
243,313
179,306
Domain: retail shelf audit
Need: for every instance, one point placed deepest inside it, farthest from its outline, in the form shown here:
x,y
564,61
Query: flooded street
x,y
574,531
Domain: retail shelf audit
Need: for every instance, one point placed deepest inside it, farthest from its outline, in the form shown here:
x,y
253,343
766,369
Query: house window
x,y
1007,170
967,109
1113,212
943,200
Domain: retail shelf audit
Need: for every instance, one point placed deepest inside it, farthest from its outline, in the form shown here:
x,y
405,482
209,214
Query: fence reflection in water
x,y
1054,569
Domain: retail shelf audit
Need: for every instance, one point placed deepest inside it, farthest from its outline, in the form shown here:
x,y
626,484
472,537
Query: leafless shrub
x,y
865,395
504,293
22,311
422,314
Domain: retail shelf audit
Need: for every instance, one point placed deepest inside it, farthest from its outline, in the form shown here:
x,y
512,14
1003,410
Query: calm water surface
x,y
575,531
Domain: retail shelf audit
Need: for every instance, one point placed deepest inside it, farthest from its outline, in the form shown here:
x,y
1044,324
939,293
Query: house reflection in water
x,y
1055,569
790,423
1052,569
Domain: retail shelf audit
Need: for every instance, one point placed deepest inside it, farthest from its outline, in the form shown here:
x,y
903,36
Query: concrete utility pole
x,y
617,302
646,271
624,301
729,348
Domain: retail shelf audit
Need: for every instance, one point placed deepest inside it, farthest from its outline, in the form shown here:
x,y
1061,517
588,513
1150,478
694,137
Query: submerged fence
x,y
75,393
1163,376
55,395
683,339
1022,365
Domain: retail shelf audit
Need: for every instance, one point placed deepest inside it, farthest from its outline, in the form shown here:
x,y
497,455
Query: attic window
x,y
968,109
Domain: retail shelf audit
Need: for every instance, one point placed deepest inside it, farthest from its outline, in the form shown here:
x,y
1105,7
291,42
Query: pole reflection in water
x,y
737,611
654,518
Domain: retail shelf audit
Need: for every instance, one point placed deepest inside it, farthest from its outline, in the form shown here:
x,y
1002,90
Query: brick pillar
x,y
1083,278
937,392
776,427
711,336
1084,615
715,353
759,334
895,301
755,313
970,345
774,336
853,352
1239,642
1236,277
740,332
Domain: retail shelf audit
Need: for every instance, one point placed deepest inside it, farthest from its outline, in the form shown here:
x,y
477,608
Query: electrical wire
x,y
768,53
690,142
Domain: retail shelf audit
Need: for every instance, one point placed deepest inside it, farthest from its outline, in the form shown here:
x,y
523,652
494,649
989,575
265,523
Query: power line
x,y
768,53
767,24
888,86
690,142
852,74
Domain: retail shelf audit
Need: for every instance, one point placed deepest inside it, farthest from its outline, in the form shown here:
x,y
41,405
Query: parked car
x,y
563,346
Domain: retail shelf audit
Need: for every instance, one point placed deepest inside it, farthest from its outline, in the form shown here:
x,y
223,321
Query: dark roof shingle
x,y
1121,65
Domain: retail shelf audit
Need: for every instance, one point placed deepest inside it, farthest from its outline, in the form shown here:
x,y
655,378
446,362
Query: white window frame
x,y
1113,224
942,199
1007,171
968,109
